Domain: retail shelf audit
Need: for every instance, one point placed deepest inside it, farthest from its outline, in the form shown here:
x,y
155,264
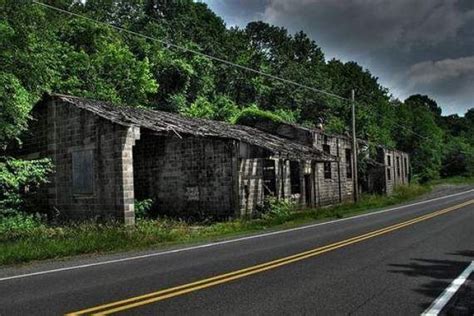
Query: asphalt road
x,y
392,263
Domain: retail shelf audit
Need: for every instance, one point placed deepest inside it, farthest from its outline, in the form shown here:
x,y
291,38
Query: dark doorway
x,y
295,177
269,182
307,186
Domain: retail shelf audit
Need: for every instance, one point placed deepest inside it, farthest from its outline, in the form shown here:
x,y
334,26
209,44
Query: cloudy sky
x,y
413,46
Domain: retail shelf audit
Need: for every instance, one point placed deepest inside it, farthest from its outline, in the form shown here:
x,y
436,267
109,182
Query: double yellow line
x,y
141,300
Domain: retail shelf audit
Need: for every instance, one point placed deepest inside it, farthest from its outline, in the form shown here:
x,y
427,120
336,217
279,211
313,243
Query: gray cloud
x,y
433,71
238,12
371,24
413,46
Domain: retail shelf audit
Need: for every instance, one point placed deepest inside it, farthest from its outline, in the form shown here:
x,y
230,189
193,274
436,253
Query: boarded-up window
x,y
83,172
295,177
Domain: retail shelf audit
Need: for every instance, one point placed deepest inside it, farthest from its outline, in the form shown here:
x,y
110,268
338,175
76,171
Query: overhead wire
x,y
214,58
189,50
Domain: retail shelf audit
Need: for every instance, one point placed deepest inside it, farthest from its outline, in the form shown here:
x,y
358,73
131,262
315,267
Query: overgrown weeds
x,y
30,238
453,180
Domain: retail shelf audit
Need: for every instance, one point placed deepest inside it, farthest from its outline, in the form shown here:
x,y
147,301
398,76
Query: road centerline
x,y
226,242
160,295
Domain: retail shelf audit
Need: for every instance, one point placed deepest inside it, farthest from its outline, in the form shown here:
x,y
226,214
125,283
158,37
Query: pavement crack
x,y
369,299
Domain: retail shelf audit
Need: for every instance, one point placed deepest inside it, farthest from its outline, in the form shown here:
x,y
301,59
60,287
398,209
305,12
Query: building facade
x,y
334,178
106,157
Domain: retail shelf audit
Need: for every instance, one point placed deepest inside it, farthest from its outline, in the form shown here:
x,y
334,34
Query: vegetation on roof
x,y
172,123
252,115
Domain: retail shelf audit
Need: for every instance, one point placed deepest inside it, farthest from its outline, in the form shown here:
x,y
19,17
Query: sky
x,y
412,46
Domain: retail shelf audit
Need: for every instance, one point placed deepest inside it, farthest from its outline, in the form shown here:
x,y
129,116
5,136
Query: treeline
x,y
42,50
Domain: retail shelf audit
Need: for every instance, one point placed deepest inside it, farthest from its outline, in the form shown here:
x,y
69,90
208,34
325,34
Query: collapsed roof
x,y
166,123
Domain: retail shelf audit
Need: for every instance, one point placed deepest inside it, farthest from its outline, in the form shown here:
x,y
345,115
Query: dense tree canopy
x,y
43,50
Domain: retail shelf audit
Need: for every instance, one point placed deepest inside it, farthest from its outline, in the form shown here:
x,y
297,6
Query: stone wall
x,y
250,185
252,192
397,169
338,188
103,149
189,176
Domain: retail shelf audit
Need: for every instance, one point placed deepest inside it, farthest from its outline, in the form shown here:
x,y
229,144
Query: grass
x,y
453,180
47,242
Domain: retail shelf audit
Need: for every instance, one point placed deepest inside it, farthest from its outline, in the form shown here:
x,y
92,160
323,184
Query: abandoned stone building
x,y
386,169
107,156
334,178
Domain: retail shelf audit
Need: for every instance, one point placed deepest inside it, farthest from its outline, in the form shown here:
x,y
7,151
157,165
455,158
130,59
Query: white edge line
x,y
438,305
213,244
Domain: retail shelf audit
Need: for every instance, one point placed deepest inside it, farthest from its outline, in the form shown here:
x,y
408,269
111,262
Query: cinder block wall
x,y
59,130
330,191
251,185
251,178
326,191
284,178
399,169
191,176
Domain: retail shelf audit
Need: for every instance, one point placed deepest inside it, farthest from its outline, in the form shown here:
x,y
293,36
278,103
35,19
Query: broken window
x,y
389,174
295,177
327,165
83,172
348,163
389,160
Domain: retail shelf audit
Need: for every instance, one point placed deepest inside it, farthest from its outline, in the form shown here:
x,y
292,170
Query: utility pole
x,y
354,150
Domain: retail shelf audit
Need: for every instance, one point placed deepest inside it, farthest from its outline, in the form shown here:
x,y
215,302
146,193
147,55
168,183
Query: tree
x,y
418,134
374,112
43,51
15,105
458,158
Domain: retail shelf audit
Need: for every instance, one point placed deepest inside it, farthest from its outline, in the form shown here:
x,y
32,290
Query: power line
x,y
185,49
413,132
408,129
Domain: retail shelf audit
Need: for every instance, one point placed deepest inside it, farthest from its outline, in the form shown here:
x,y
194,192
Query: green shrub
x,y
201,108
18,225
19,181
252,115
277,210
142,208
15,105
404,192
221,108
